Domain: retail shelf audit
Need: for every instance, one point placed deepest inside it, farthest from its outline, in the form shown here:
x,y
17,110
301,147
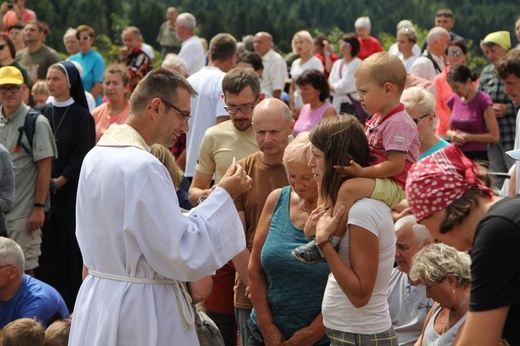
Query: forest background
x,y
474,19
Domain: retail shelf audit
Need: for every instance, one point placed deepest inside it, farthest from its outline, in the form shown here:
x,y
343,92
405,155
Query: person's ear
x,y
389,88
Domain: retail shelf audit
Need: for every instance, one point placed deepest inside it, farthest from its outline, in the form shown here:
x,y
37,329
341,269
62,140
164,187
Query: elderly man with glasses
x,y
32,157
23,296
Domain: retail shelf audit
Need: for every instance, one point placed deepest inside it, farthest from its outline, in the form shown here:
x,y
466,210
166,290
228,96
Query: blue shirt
x,y
438,146
93,69
294,289
34,299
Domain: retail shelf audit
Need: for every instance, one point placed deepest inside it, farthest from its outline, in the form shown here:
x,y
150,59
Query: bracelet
x,y
327,53
40,205
323,243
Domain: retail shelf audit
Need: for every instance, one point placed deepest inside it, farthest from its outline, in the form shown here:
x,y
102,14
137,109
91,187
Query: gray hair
x,y
420,232
69,32
299,150
434,262
11,254
420,98
435,33
405,23
187,20
408,31
363,22
176,63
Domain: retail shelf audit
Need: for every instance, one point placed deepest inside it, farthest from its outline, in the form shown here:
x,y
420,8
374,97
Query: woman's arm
x,y
492,136
357,280
257,278
308,335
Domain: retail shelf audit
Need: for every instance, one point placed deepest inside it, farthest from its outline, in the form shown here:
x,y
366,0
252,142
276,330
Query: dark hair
x,y
222,47
120,70
318,40
352,39
9,43
460,209
161,83
342,139
317,79
238,78
17,26
86,28
459,44
39,25
509,64
252,58
460,73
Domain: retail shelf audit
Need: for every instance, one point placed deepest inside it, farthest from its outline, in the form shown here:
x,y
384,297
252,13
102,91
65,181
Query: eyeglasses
x,y
455,53
83,38
6,266
12,89
186,115
345,45
444,14
419,119
244,109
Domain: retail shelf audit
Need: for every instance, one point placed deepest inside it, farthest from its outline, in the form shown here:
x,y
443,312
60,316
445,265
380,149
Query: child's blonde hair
x,y
383,67
57,334
22,332
166,157
40,88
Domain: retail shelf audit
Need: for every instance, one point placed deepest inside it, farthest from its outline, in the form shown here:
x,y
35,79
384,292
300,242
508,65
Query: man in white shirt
x,y
275,68
407,301
208,107
134,240
431,63
192,51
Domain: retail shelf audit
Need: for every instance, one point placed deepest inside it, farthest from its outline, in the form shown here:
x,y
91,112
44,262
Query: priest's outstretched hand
x,y
235,181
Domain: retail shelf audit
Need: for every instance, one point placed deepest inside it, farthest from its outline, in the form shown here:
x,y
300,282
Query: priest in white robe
x,y
134,240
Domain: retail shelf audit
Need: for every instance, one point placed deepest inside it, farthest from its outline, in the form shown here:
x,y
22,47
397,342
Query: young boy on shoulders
x,y
394,146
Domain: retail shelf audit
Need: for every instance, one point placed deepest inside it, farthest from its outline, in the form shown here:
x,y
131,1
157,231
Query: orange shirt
x,y
103,120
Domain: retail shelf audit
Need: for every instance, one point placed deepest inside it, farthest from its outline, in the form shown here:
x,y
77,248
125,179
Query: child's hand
x,y
328,224
354,170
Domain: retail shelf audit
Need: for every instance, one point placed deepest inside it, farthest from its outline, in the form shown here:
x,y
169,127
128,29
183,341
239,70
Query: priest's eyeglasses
x,y
185,115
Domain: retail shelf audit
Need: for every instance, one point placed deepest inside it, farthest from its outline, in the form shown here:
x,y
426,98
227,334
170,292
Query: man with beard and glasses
x,y
231,140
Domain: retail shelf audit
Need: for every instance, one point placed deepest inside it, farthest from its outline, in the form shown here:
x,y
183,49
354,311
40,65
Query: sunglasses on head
x,y
444,14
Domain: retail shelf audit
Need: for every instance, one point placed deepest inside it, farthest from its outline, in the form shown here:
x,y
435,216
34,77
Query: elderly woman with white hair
x,y
286,293
302,45
175,63
406,41
446,274
405,23
369,45
420,104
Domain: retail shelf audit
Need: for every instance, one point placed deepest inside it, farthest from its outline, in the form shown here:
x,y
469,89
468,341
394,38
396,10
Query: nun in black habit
x,y
74,132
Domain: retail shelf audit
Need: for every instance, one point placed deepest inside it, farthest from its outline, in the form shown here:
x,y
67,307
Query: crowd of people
x,y
354,197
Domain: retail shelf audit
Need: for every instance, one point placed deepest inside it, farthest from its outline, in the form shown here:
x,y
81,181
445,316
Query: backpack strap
x,y
29,127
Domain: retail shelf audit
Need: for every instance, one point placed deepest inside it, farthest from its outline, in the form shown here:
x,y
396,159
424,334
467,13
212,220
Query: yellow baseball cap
x,y
10,75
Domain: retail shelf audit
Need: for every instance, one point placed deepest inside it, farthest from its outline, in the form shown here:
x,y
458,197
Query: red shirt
x,y
368,46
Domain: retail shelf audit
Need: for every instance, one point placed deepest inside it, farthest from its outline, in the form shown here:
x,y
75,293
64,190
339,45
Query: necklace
x,y
456,316
300,203
54,127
